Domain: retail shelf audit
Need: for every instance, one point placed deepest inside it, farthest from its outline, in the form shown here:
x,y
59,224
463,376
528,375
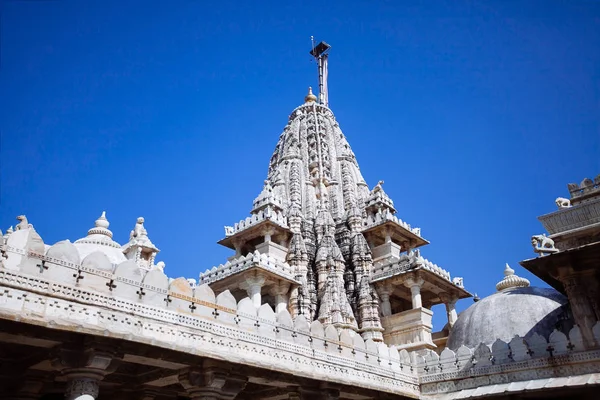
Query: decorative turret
x,y
378,201
140,248
267,198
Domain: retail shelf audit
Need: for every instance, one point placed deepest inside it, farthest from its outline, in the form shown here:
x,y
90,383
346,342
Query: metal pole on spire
x,y
321,52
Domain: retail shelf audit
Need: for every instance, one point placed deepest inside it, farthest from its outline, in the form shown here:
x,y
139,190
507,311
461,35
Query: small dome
x,y
514,310
99,238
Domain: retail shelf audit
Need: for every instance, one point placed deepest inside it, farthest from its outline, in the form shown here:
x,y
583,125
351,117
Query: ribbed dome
x,y
99,238
514,311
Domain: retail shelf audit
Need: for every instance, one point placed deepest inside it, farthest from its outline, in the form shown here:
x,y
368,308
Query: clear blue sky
x,y
475,113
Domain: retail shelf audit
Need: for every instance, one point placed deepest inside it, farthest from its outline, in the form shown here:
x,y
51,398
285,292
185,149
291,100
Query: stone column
x,y
280,292
253,285
267,234
83,388
450,303
415,283
85,366
385,290
212,382
576,287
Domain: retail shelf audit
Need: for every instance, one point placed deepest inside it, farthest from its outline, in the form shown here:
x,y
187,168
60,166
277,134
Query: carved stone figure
x,y
458,281
23,223
139,230
561,202
228,230
543,245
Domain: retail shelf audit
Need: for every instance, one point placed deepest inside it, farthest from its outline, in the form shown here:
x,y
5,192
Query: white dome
x,y
519,311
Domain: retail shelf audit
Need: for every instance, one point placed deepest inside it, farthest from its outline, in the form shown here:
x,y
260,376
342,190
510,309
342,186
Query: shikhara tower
x,y
321,244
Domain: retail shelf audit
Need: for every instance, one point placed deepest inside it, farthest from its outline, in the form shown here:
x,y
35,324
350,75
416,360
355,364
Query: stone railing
x,y
428,265
268,213
243,263
579,216
382,217
508,363
407,262
128,303
586,187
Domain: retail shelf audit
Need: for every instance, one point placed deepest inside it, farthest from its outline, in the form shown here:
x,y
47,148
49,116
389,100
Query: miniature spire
x,y
310,97
511,280
101,226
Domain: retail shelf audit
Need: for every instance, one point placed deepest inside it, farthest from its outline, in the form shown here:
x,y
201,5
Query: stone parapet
x,y
582,215
128,305
256,259
410,330
267,214
387,216
519,365
406,262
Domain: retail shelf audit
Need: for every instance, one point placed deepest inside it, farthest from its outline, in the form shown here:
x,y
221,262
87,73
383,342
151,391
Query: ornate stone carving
x,y
82,389
511,280
543,245
561,202
211,382
23,223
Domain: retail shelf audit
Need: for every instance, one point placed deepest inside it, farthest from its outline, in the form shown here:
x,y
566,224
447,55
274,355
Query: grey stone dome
x,y
514,311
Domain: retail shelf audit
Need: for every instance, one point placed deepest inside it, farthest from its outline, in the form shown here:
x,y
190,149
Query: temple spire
x,y
320,53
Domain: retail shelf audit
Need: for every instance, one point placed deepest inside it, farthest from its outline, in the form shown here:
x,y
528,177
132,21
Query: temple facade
x,y
326,296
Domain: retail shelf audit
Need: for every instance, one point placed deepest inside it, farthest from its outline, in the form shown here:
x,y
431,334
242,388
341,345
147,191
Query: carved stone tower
x,y
318,240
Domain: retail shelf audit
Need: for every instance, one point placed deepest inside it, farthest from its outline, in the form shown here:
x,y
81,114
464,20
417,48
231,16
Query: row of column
x,y
253,284
415,284
86,365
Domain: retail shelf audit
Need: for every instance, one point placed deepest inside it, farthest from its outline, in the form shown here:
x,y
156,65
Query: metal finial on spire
x,y
310,96
320,53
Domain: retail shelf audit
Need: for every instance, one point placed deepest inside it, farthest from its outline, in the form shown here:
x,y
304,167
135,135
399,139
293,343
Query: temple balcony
x,y
408,287
386,251
266,225
262,277
410,329
574,226
384,227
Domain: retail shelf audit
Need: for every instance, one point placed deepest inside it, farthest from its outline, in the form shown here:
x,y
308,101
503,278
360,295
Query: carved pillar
x,y
237,245
385,290
212,382
84,367
415,283
577,288
84,388
280,292
253,286
450,303
267,233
